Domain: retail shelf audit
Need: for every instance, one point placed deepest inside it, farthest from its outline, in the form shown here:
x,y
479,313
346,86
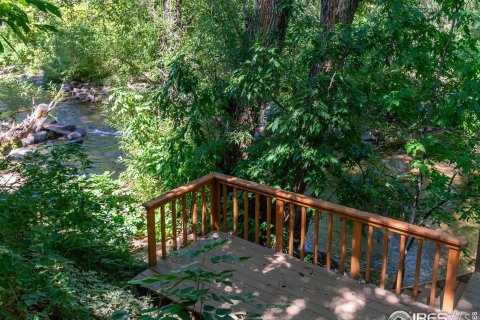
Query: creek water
x,y
101,143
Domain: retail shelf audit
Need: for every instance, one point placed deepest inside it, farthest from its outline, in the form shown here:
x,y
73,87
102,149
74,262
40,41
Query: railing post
x,y
451,280
214,204
152,238
279,217
163,232
356,250
401,264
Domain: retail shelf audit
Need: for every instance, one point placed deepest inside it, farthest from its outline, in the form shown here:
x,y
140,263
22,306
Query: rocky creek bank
x,y
51,130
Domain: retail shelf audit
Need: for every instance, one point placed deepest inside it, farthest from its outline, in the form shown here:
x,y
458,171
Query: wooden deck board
x,y
470,300
308,291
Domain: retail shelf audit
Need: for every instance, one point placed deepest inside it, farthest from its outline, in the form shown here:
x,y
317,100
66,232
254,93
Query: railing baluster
x,y
174,224
291,219
218,210
329,241
204,212
235,212
302,232
356,250
184,221
152,238
344,246
279,219
269,221
451,280
162,232
245,214
417,269
369,254
436,262
225,221
315,237
214,206
401,264
194,214
384,258
257,218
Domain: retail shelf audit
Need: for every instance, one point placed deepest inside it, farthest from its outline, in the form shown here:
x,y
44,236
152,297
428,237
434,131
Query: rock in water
x,y
36,137
48,122
74,135
81,131
40,136
63,130
90,98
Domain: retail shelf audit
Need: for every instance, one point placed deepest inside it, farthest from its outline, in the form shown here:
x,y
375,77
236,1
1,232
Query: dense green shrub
x,y
64,243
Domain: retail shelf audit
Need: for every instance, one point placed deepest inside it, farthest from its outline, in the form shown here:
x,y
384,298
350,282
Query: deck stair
x,y
424,290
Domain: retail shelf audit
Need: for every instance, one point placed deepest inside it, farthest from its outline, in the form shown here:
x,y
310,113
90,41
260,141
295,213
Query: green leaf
x,y
119,315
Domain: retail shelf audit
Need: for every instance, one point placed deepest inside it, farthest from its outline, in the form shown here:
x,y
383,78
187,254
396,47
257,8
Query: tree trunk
x,y
27,126
477,263
333,12
272,21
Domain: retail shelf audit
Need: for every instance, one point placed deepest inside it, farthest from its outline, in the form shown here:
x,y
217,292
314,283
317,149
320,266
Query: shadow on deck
x,y
277,219
306,290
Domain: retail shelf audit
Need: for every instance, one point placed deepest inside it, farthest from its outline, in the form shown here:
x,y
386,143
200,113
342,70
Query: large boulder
x,y
81,131
35,137
74,135
42,123
61,129
90,98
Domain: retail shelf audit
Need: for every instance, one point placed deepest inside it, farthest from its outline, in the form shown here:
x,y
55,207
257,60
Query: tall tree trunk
x,y
272,20
477,263
333,12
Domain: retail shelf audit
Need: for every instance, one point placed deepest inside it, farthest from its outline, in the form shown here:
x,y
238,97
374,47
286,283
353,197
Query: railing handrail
x,y
218,184
364,217
178,192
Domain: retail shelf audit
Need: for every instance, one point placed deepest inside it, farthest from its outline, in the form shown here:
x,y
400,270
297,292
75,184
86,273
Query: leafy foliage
x,y
13,14
402,75
64,242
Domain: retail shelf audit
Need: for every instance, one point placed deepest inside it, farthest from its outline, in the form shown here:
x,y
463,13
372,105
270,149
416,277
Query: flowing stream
x,y
101,142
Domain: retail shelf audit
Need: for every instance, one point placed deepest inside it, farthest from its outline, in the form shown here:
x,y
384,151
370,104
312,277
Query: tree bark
x,y
333,12
477,262
272,20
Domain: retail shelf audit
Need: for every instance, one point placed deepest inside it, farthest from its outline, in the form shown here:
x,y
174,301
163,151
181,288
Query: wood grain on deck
x,y
308,291
470,300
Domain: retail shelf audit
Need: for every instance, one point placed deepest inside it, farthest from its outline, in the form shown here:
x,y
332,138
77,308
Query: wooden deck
x,y
307,291
470,300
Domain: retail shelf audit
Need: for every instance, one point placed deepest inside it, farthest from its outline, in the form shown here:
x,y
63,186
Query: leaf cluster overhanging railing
x,y
212,203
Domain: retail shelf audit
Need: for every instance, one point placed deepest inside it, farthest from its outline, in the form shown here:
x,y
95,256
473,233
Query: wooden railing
x,y
212,203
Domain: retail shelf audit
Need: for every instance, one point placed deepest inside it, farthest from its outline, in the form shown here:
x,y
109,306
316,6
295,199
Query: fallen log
x,y
32,123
